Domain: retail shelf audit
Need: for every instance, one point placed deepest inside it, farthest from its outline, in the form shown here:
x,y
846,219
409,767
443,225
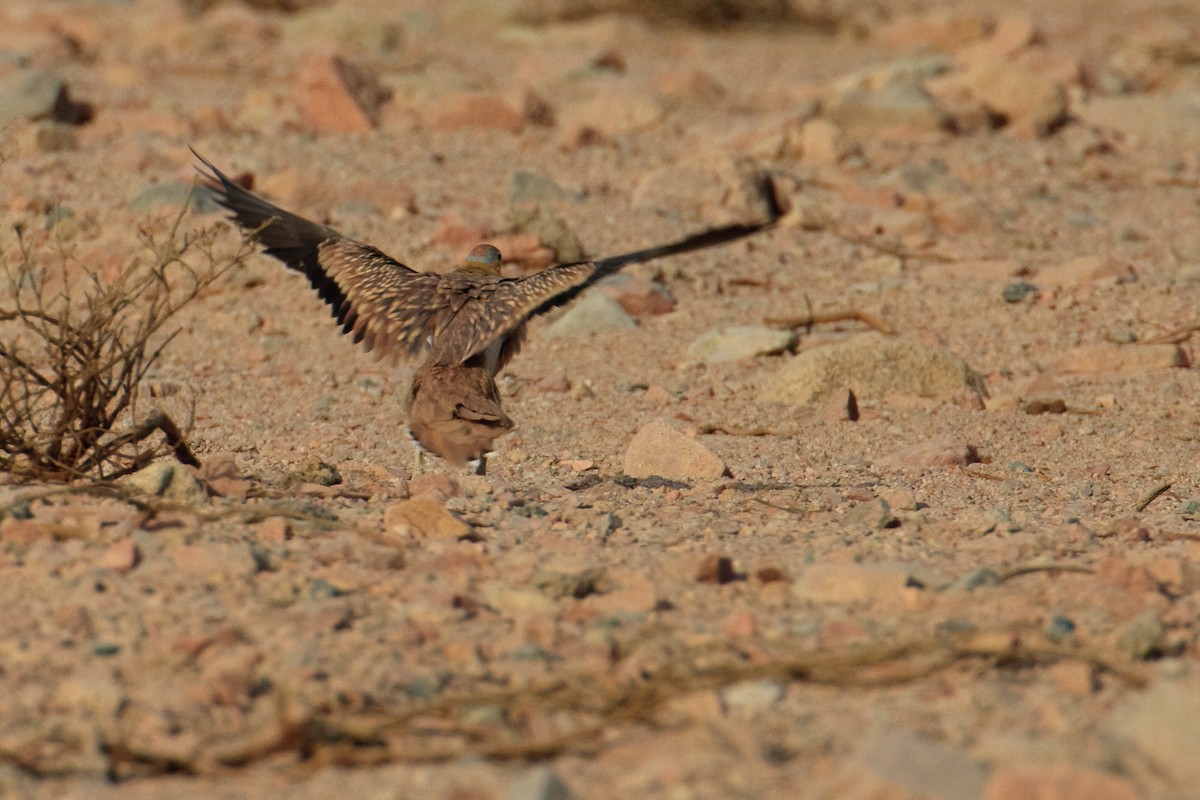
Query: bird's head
x,y
484,258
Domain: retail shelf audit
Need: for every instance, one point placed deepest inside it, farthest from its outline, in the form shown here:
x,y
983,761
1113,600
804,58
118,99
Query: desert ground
x,y
898,498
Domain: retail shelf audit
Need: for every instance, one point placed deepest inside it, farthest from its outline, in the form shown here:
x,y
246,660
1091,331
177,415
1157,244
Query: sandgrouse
x,y
469,322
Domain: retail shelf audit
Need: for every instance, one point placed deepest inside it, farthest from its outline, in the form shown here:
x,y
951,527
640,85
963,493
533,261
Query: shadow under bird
x,y
468,323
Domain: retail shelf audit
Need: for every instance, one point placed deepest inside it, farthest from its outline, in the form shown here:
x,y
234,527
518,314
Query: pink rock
x,y
273,530
474,111
336,96
1057,782
824,143
1087,270
935,453
1120,359
425,516
120,556
658,449
943,30
638,296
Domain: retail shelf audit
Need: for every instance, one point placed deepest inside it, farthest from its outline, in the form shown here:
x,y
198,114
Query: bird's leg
x,y
481,465
418,462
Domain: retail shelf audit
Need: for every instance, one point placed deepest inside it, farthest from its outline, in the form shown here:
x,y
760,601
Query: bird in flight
x,y
467,323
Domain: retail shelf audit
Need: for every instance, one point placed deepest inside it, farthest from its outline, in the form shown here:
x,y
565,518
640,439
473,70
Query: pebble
x,y
200,199
170,480
120,556
823,143
39,95
534,186
224,477
480,111
425,516
640,297
1087,270
539,783
874,367
658,449
937,452
332,30
1016,292
1160,726
906,765
733,342
1141,637
716,569
595,313
314,471
1057,782
1095,359
610,112
850,583
752,696
1031,103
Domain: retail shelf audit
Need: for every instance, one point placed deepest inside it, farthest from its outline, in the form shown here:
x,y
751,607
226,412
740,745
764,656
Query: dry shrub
x,y
76,347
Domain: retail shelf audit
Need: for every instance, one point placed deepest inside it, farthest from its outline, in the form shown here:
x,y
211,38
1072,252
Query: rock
x,y
316,471
1057,782
905,765
938,452
1029,102
343,30
120,556
658,449
1101,358
223,476
48,136
749,697
823,143
874,367
731,342
722,188
550,229
595,313
1154,121
272,530
851,583
200,199
1087,270
170,480
533,186
716,569
485,111
942,30
1160,726
887,97
639,296
39,95
1010,36
425,516
539,783
439,486
608,113
336,96
1141,636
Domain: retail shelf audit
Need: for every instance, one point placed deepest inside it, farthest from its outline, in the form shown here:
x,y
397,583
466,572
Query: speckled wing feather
x,y
388,307
477,325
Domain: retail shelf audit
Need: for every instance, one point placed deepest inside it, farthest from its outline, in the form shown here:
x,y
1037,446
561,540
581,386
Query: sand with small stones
x,y
684,575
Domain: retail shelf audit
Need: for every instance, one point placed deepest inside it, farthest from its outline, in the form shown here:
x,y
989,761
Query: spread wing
x,y
388,307
508,303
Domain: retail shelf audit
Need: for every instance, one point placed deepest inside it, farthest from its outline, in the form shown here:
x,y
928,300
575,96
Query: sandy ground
x,y
988,589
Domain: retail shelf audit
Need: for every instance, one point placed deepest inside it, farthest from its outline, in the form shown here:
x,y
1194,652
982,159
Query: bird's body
x,y
468,323
454,411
